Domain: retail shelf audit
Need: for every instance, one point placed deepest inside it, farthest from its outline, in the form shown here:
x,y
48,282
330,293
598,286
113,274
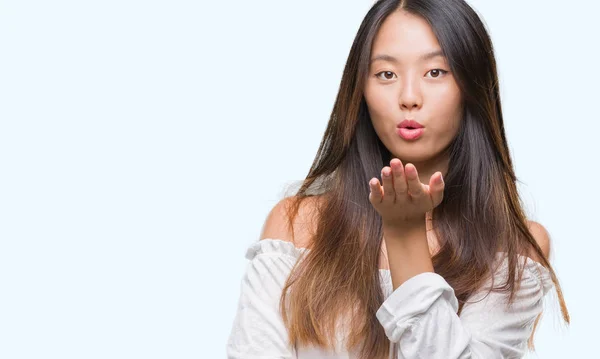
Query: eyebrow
x,y
390,58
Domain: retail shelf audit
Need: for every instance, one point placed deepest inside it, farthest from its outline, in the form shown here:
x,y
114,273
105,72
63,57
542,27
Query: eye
x,y
437,72
384,72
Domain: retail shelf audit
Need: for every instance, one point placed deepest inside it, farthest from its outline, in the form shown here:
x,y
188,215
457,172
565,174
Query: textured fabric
x,y
419,317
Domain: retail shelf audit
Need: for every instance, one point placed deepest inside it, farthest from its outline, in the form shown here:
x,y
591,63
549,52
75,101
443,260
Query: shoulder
x,y
276,225
540,234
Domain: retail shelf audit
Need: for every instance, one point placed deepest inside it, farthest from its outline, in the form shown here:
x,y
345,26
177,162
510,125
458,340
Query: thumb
x,y
436,188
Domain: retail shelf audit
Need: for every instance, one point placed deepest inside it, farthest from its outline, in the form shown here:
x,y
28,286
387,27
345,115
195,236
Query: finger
x,y
400,185
375,194
389,195
436,188
415,187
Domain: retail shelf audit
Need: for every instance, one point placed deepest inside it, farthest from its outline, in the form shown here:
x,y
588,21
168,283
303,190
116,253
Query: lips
x,y
409,129
409,134
409,124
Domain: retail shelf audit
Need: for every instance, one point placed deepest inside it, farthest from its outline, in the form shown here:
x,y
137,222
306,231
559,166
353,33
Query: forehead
x,y
406,37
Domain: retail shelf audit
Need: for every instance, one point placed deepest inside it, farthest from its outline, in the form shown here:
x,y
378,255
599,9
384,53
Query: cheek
x,y
378,102
449,109
382,108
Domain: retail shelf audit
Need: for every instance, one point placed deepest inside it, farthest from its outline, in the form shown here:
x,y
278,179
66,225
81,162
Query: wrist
x,y
403,226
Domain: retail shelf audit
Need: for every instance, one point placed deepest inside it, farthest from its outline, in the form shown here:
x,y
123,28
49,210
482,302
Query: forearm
x,y
408,252
421,315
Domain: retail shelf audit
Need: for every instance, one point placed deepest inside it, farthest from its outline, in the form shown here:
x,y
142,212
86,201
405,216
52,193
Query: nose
x,y
410,93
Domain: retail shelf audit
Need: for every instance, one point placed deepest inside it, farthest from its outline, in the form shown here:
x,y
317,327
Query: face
x,y
406,84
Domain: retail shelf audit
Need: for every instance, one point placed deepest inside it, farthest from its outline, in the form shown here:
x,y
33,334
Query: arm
x,y
408,251
258,330
420,315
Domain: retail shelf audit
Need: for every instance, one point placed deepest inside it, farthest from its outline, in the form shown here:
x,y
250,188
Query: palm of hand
x,y
402,198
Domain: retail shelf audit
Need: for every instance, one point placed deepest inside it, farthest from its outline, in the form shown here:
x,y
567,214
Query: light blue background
x,y
142,144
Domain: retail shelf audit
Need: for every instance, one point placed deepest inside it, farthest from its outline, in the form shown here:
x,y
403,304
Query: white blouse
x,y
419,317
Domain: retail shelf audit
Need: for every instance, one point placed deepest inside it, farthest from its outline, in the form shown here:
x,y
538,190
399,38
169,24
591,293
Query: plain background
x,y
142,144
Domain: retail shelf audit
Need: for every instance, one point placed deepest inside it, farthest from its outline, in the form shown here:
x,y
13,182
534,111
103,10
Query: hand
x,y
403,199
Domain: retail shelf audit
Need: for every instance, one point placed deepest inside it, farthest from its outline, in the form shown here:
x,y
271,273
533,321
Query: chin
x,y
410,157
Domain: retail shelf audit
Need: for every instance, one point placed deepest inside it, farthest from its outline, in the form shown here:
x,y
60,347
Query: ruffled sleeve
x,y
258,329
420,316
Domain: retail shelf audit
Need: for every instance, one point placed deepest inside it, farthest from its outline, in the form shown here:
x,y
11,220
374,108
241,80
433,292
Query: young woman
x,y
434,260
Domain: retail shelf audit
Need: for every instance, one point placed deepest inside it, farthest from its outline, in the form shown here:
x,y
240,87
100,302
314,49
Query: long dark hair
x,y
481,213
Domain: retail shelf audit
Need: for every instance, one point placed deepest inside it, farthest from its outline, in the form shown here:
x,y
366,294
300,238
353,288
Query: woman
x,y
436,260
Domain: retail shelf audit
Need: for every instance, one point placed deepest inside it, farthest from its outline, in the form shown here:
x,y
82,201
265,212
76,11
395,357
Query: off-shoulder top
x,y
419,317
